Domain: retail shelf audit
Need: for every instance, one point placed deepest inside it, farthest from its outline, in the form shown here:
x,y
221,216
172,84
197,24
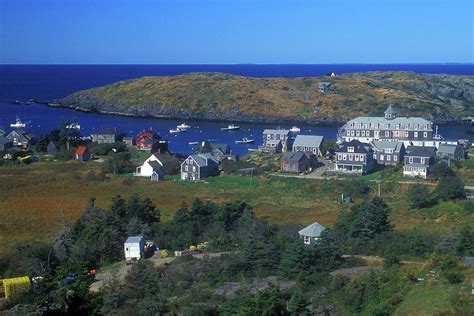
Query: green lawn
x,y
427,300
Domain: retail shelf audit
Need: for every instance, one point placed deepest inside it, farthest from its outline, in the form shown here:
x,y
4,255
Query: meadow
x,y
33,199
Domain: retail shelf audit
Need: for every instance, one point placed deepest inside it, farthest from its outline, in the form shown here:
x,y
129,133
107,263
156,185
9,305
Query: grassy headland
x,y
218,96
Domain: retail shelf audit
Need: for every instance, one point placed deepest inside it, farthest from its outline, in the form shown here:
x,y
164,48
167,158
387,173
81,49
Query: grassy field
x,y
31,197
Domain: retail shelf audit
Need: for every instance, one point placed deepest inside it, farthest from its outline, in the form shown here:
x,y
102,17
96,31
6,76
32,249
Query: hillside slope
x,y
218,96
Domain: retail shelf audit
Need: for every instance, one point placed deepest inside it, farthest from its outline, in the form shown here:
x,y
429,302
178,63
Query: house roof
x,y
165,158
4,140
380,145
276,131
54,143
358,147
308,140
224,148
155,165
2,129
107,131
390,110
325,83
81,150
294,156
420,151
404,123
469,261
133,239
447,149
203,160
313,230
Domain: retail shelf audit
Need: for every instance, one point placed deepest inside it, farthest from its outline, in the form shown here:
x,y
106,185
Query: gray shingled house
x,y
354,157
418,160
107,136
199,166
455,152
52,148
5,143
309,143
20,137
298,162
274,138
388,152
311,233
324,87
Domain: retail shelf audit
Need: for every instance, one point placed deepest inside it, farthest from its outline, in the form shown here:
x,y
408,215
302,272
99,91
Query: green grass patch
x,y
427,300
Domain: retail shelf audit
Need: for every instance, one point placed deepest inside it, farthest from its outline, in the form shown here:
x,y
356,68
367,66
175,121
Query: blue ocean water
x,y
21,82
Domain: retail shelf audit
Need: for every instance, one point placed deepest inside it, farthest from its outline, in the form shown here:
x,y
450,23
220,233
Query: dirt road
x,y
120,270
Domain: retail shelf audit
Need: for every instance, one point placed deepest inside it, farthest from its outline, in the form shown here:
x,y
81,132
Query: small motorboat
x,y
73,126
231,127
295,129
175,131
245,140
183,126
193,143
18,123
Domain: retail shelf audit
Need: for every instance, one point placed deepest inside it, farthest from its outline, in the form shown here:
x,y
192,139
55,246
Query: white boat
x,y
18,123
245,140
295,129
175,131
183,126
193,143
74,126
231,127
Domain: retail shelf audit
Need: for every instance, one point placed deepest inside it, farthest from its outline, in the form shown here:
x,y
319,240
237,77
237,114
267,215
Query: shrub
x,y
450,188
420,196
454,277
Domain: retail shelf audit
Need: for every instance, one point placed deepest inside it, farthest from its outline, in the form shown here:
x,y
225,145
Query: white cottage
x,y
311,233
152,168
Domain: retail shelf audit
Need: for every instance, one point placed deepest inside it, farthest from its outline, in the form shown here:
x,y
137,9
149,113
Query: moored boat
x,y
73,126
245,140
18,123
295,129
183,126
231,127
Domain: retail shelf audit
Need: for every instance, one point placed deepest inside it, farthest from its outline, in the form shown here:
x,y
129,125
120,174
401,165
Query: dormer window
x,y
350,149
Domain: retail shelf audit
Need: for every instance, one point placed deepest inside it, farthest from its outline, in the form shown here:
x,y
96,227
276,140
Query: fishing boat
x,y
231,127
245,140
183,126
73,126
295,129
18,123
175,131
193,143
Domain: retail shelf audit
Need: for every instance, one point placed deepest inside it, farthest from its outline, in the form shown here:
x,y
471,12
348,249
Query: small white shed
x,y
311,233
134,249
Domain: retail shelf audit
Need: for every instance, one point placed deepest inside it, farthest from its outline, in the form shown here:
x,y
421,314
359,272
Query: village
x,y
363,146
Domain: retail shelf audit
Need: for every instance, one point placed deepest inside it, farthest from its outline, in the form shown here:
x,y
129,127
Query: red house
x,y
82,154
151,141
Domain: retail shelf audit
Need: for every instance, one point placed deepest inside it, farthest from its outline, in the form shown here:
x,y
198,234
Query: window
x,y
186,168
395,158
348,133
425,134
194,168
339,157
406,134
351,157
397,126
387,134
396,134
425,127
357,133
307,240
415,134
363,133
422,160
350,149
344,157
389,158
352,133
381,157
356,157
410,159
190,161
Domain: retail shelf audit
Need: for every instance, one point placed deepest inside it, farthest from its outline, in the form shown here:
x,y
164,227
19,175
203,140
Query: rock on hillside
x,y
218,96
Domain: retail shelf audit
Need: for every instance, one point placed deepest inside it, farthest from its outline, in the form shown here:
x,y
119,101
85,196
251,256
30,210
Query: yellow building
x,y
14,286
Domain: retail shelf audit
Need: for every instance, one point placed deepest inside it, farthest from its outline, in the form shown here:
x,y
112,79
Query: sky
x,y
235,31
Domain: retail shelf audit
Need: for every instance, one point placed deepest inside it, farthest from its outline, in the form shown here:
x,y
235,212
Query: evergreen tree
x,y
450,188
465,242
369,218
420,196
297,303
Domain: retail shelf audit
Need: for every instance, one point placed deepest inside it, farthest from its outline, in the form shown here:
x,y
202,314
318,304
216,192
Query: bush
x,y
454,277
420,196
450,188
